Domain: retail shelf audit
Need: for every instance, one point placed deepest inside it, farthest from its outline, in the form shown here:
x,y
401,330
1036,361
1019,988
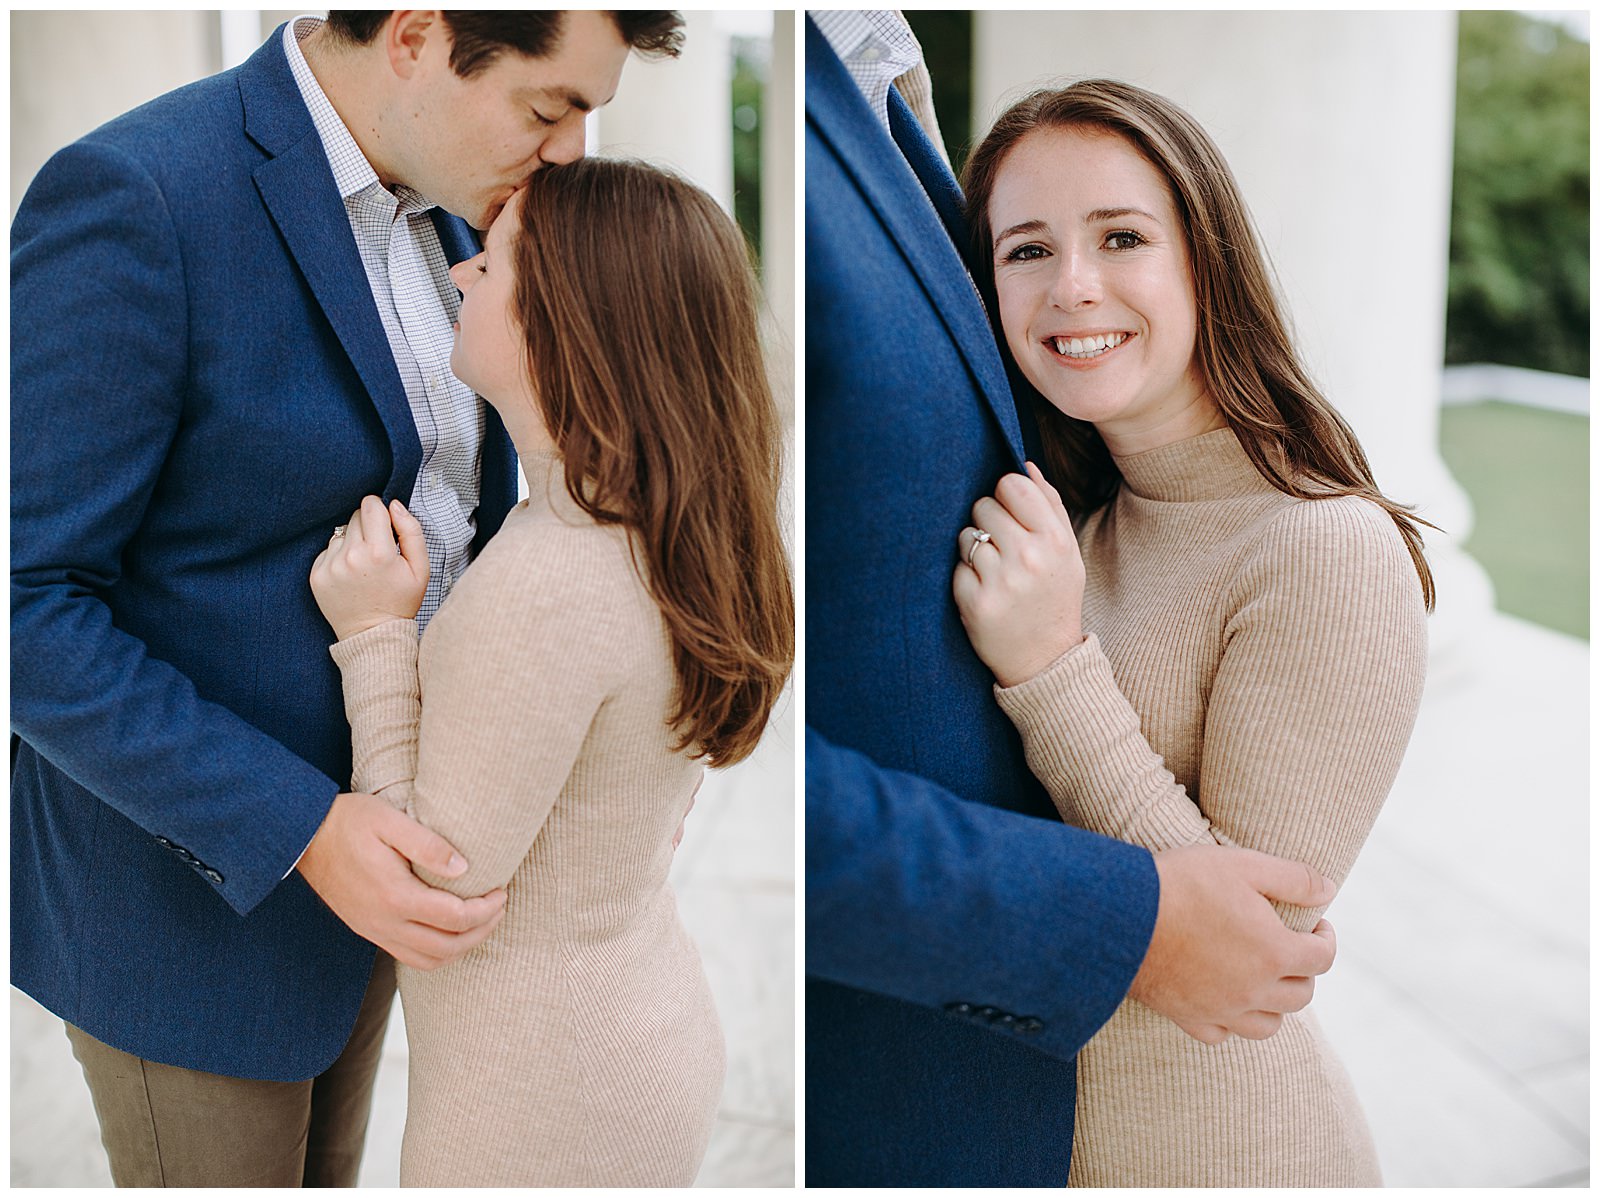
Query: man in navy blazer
x,y
202,389
961,942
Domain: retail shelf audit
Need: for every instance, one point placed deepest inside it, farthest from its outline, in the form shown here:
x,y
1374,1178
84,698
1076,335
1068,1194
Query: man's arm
x,y
917,894
914,893
99,330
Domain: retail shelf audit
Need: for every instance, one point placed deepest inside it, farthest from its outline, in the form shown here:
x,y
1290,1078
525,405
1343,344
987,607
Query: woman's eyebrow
x,y
1100,214
1027,226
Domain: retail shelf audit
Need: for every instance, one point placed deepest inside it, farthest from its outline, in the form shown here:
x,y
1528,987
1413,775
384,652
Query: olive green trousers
x,y
166,1126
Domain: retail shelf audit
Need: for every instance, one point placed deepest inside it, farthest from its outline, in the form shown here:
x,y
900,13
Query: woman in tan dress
x,y
1214,630
631,621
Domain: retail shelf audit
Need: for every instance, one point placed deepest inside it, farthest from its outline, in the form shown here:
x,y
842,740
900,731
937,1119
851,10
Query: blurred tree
x,y
946,38
751,69
1519,225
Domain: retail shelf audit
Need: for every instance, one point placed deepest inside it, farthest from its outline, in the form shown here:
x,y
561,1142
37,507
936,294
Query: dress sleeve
x,y
383,702
479,742
1325,648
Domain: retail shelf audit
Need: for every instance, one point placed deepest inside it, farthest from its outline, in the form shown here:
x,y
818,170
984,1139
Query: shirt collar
x,y
352,173
876,47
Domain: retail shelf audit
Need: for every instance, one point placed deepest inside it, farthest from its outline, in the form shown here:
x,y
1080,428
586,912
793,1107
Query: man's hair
x,y
478,38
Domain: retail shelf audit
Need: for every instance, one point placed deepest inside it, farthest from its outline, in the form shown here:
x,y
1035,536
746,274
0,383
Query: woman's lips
x,y
1087,361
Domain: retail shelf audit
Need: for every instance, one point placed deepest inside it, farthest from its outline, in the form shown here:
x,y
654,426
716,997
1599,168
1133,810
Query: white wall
x,y
71,72
1338,126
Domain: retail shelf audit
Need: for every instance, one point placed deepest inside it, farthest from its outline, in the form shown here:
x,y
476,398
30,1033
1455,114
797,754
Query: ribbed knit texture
x,y
579,1044
1251,676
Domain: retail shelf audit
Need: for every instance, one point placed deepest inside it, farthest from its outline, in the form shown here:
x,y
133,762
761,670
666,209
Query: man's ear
x,y
406,34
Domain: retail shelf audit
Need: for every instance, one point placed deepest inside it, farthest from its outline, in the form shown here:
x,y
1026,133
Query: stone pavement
x,y
734,876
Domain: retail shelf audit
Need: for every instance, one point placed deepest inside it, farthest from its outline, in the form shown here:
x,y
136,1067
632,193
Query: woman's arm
x,y
369,583
1307,718
517,664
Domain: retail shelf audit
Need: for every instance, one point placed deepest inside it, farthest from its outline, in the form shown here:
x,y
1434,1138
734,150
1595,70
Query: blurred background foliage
x,y
751,70
1519,222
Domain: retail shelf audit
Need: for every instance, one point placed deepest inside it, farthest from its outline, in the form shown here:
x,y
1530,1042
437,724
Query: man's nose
x,y
566,141
1077,280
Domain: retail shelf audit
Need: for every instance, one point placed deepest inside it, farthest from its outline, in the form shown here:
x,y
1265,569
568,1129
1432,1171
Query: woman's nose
x,y
465,273
1077,280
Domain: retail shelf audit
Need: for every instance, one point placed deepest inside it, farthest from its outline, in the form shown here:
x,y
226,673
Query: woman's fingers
x,y
375,527
413,545
1026,501
1051,493
978,550
991,515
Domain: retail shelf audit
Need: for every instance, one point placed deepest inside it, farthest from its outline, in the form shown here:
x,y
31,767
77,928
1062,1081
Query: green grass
x,y
1527,472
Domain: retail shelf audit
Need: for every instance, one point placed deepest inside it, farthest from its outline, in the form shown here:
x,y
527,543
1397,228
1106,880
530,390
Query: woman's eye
x,y
1031,252
1123,239
542,119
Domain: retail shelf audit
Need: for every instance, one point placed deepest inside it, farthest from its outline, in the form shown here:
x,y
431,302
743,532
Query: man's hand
x,y
359,863
1220,961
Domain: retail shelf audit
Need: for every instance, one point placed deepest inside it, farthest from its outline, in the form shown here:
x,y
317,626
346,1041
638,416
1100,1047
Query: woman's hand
x,y
361,579
1020,589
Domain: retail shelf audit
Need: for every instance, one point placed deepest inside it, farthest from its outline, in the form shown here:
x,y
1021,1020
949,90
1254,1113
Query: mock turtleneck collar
x,y
1210,466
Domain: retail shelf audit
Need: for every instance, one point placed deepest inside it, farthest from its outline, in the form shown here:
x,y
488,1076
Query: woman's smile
x,y
1087,351
1096,295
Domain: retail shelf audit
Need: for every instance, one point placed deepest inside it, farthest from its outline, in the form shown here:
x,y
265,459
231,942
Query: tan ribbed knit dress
x,y
1251,676
578,1045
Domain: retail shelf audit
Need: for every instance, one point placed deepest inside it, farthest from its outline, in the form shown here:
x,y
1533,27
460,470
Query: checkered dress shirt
x,y
876,47
417,303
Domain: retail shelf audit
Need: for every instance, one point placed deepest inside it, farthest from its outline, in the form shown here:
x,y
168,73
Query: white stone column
x,y
71,72
677,112
1338,126
778,207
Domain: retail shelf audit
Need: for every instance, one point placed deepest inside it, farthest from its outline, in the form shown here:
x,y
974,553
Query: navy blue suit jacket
x,y
961,942
201,390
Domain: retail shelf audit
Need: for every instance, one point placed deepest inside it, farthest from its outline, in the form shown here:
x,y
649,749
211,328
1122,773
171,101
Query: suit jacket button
x,y
212,875
1030,1025
1006,1020
958,1008
163,842
989,1012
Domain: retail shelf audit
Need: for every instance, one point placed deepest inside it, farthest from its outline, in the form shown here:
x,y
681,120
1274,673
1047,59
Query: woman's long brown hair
x,y
639,313
1246,358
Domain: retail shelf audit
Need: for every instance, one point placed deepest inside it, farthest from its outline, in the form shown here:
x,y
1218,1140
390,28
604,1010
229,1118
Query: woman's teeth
x,y
1088,347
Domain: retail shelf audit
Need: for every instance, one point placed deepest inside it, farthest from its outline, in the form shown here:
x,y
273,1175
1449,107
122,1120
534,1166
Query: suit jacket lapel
x,y
840,116
296,185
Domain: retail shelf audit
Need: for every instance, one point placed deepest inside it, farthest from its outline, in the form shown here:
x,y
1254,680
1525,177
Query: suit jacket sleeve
x,y
99,334
916,894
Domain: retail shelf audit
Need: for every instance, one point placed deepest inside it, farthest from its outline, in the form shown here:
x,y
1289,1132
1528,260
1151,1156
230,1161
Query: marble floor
x,y
734,876
1460,998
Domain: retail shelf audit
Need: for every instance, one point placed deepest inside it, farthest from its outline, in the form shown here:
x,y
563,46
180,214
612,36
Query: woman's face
x,y
489,348
1095,290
